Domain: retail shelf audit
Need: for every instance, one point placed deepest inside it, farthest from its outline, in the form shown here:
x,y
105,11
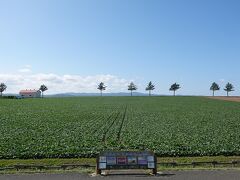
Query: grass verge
x,y
92,161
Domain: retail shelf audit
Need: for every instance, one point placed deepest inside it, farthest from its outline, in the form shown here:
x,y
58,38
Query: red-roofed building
x,y
30,93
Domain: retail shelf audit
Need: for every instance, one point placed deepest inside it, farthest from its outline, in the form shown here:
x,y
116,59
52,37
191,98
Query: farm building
x,y
30,93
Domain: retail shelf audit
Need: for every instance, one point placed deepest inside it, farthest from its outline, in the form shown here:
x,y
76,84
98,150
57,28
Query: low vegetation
x,y
81,127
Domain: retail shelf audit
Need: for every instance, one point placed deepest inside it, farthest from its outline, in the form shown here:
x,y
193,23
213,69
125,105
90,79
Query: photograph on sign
x,y
121,160
151,165
132,160
102,159
102,165
150,158
142,160
111,161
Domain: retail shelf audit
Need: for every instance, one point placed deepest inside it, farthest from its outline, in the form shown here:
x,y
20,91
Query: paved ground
x,y
174,175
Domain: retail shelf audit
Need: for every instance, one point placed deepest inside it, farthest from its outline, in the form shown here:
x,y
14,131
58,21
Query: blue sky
x,y
80,43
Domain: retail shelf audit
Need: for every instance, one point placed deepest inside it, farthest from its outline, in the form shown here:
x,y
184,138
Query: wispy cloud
x,y
25,69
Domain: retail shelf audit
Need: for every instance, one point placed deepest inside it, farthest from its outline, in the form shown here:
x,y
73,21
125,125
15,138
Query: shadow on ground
x,y
138,175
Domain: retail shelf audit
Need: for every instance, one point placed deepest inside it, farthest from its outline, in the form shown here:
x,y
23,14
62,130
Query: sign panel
x,y
111,161
102,165
132,160
142,160
122,160
126,160
102,159
151,165
150,158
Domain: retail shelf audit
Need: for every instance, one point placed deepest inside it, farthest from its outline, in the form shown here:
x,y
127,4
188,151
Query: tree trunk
x,y
213,94
101,93
149,92
42,94
174,92
227,93
1,94
131,92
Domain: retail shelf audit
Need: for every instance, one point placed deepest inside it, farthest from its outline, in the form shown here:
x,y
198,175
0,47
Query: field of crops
x,y
83,126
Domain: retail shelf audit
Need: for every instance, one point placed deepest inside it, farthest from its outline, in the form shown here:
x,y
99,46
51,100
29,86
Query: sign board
x,y
112,160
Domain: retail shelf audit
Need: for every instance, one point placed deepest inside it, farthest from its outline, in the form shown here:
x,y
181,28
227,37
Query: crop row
x,y
82,127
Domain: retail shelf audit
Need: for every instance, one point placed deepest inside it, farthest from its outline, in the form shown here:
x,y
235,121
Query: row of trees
x,y
132,87
174,87
3,88
228,88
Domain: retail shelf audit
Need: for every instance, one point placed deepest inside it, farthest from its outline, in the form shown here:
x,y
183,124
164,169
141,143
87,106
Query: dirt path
x,y
233,98
171,175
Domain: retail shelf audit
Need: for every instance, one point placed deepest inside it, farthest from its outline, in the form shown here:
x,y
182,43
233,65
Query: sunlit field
x,y
83,126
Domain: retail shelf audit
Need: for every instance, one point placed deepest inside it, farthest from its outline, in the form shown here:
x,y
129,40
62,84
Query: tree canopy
x,y
174,87
3,88
132,87
43,88
214,87
228,88
101,87
150,87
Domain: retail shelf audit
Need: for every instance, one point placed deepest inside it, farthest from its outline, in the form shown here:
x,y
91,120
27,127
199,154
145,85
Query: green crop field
x,y
83,126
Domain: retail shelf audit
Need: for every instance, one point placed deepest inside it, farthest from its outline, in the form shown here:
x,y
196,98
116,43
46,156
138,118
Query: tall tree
x,y
43,88
174,88
150,87
132,87
3,87
214,87
101,87
229,87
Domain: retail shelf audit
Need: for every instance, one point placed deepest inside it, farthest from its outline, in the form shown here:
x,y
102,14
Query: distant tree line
x,y
132,87
174,87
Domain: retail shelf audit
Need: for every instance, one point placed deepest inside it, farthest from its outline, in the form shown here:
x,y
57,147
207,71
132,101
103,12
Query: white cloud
x,y
62,83
25,69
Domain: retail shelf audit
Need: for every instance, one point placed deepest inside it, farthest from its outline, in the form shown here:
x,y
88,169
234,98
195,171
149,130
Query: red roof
x,y
28,91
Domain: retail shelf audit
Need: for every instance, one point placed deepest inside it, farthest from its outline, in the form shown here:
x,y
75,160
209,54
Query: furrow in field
x,y
101,128
111,125
121,125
